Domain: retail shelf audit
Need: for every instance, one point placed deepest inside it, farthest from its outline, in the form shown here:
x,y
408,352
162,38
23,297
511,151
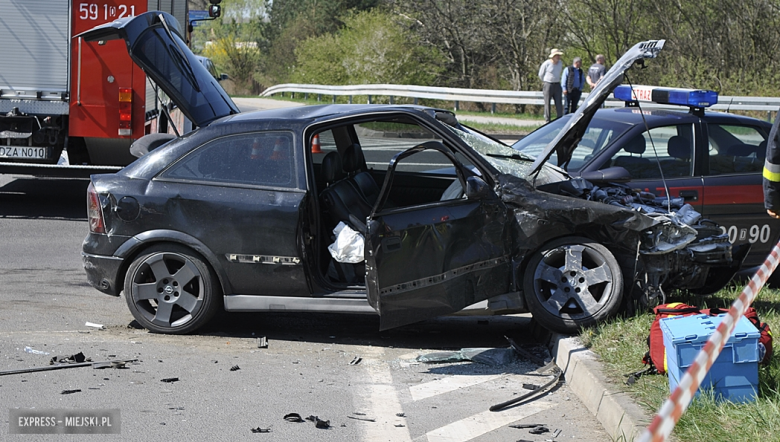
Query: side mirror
x,y
614,174
215,11
476,187
223,77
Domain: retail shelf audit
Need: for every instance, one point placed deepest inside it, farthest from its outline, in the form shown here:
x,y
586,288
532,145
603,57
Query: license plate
x,y
36,153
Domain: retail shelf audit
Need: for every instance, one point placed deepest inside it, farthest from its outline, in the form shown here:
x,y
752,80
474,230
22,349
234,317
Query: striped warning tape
x,y
674,406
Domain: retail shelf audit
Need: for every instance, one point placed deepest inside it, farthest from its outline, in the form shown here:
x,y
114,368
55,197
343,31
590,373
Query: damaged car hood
x,y
612,214
571,134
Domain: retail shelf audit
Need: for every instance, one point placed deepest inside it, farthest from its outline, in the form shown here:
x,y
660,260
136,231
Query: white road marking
x,y
379,400
445,385
479,424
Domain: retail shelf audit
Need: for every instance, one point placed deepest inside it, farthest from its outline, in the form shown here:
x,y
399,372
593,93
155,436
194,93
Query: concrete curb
x,y
621,418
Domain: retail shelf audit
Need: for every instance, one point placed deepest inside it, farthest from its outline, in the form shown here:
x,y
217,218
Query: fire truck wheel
x,y
572,283
170,289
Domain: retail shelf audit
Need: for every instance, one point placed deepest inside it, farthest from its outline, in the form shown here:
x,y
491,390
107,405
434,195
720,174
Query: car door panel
x,y
430,261
734,196
437,258
739,209
690,189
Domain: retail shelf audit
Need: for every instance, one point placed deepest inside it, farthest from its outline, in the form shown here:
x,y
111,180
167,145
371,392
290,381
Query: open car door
x,y
155,43
433,259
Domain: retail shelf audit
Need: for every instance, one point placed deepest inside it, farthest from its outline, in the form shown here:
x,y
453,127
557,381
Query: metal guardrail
x,y
725,103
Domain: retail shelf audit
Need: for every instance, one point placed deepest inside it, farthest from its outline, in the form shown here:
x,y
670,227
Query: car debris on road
x,y
62,362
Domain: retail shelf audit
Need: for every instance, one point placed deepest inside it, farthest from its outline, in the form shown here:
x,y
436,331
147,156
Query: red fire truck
x,y
69,107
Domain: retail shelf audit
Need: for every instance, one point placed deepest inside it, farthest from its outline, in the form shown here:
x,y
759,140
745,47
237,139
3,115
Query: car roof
x,y
658,117
328,111
291,117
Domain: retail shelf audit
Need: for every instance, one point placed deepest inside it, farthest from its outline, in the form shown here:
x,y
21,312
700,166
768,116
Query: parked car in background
x,y
711,160
344,208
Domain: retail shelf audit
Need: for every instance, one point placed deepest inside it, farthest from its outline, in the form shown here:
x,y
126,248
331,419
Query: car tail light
x,y
94,211
125,111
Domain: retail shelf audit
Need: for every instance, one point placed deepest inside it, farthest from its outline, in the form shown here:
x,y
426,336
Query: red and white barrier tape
x,y
674,407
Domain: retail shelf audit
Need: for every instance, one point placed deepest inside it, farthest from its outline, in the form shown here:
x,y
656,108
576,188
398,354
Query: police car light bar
x,y
667,95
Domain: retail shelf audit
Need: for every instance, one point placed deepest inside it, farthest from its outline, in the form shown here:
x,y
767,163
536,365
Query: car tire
x,y
170,289
571,283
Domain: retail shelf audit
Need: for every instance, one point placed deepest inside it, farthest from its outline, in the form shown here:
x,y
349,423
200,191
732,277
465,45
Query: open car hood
x,y
571,134
155,43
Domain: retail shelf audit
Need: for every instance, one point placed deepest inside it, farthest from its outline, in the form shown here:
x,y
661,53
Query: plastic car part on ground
x,y
34,351
495,357
61,362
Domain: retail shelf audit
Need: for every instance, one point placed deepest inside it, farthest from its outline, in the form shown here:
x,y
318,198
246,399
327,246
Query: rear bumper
x,y
102,272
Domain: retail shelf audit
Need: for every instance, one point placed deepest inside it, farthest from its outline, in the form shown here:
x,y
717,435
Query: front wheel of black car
x,y
572,283
169,289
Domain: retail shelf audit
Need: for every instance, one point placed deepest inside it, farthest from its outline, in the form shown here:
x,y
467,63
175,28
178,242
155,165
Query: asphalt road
x,y
309,367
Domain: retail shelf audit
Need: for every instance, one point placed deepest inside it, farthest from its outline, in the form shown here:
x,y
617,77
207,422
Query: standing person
x,y
550,74
772,171
572,82
596,71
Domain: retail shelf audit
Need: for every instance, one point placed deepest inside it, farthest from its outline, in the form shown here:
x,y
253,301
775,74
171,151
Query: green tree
x,y
523,32
371,47
458,30
324,16
234,42
291,22
727,45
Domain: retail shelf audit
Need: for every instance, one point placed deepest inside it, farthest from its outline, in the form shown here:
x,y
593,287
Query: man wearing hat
x,y
550,74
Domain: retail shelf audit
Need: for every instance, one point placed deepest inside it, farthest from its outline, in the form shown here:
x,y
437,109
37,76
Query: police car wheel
x,y
572,283
169,289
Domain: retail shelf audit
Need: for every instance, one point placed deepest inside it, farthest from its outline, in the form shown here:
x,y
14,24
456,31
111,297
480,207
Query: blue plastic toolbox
x,y
734,375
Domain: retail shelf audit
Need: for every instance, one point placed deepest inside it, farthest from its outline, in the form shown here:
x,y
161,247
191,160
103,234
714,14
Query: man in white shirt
x,y
550,74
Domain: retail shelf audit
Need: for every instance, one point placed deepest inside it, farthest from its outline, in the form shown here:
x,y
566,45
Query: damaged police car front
x,y
250,210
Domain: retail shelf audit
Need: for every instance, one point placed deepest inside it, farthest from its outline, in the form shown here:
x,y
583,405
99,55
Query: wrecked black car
x,y
398,211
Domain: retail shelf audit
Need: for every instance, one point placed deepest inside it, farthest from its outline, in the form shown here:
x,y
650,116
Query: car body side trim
x,y
448,275
251,303
502,304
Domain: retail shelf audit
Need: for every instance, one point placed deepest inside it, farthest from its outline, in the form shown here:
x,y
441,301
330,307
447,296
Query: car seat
x,y
679,149
744,158
637,166
341,199
342,202
354,166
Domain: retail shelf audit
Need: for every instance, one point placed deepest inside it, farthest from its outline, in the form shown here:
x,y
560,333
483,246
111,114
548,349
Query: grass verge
x,y
622,342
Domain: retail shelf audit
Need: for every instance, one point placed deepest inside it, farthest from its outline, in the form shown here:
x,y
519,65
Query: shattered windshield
x,y
504,158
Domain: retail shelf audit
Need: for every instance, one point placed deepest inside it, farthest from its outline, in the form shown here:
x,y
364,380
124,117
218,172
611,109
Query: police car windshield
x,y
599,134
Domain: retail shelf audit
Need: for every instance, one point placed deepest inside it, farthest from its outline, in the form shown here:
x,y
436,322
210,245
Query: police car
x,y
710,160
